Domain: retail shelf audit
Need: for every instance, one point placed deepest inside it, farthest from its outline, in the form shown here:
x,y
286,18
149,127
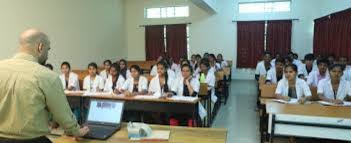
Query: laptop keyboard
x,y
99,131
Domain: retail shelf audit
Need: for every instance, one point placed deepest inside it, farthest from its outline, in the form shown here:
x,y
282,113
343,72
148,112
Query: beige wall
x,y
81,31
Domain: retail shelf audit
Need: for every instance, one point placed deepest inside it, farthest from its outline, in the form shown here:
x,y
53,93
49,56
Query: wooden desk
x,y
178,135
148,105
309,120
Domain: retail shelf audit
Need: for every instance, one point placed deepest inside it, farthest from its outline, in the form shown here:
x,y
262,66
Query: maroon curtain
x,y
154,42
279,36
176,41
332,34
250,43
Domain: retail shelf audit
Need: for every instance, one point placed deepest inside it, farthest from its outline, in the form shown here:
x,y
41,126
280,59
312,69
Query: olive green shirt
x,y
29,92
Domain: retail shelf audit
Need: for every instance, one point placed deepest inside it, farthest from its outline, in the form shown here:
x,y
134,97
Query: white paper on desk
x,y
326,103
183,98
97,93
347,103
291,101
145,97
156,135
74,92
202,111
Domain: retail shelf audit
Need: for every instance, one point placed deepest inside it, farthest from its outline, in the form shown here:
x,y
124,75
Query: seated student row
x,y
332,89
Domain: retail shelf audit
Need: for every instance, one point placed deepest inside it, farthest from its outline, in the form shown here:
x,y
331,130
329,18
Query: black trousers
x,y
36,140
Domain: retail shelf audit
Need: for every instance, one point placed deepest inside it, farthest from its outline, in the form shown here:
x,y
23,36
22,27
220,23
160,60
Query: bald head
x,y
31,38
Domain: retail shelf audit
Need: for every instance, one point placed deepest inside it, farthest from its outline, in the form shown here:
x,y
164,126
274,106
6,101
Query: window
x,y
167,12
265,7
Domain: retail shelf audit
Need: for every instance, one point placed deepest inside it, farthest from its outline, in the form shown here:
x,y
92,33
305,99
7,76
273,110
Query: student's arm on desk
x,y
57,104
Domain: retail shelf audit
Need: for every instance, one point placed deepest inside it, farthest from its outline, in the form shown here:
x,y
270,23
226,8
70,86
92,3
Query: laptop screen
x,y
106,111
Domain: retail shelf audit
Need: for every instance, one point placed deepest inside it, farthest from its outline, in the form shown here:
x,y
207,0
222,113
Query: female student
x,y
124,71
93,82
106,72
193,60
334,89
115,82
221,61
274,75
179,72
321,73
161,84
69,79
205,76
213,63
292,87
136,84
153,71
196,67
185,85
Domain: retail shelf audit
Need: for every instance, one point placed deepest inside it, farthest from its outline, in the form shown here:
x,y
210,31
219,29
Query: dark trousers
x,y
36,140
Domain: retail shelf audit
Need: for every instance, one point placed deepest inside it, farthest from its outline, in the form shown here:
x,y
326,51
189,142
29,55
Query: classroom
x,y
175,71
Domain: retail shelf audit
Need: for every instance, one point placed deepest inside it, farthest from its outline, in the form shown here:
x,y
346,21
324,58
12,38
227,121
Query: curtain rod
x,y
295,19
163,24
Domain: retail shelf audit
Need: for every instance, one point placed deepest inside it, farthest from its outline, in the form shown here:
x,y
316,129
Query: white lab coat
x,y
211,81
155,86
119,84
302,88
297,62
272,76
129,83
104,75
302,70
215,68
347,75
224,64
260,69
153,71
179,85
72,81
325,88
93,85
312,78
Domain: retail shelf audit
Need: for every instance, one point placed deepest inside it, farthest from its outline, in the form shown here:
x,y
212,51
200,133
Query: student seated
x,y
205,76
69,79
196,67
331,59
221,61
295,58
115,81
184,85
183,62
153,71
136,84
93,82
334,89
213,63
277,56
321,73
193,60
292,87
343,61
161,84
305,69
124,71
263,66
106,72
274,75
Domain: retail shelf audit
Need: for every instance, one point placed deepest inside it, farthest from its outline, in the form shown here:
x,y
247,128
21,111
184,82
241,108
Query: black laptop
x,y
104,118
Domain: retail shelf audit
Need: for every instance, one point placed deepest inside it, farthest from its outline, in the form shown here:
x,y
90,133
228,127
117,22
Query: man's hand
x,y
83,131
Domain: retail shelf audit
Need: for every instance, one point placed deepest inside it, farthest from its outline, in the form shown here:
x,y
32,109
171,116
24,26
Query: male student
x,y
263,66
305,69
28,99
321,73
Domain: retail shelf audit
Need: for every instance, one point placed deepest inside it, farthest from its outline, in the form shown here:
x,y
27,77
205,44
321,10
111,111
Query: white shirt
x,y
93,85
211,81
325,88
175,67
261,69
215,68
302,88
272,76
179,85
347,75
153,71
224,64
313,78
128,74
129,84
104,75
155,86
119,84
72,81
297,62
302,70
273,62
